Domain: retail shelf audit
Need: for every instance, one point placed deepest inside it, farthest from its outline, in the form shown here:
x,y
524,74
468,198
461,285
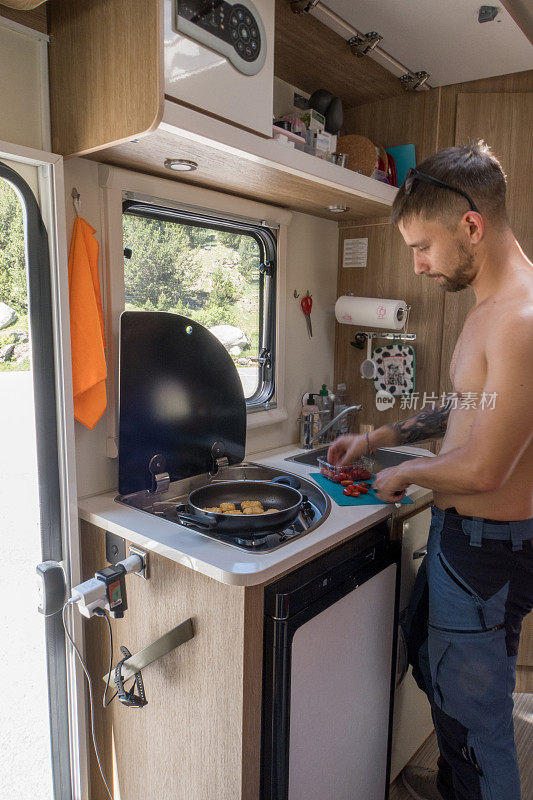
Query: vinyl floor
x,y
523,720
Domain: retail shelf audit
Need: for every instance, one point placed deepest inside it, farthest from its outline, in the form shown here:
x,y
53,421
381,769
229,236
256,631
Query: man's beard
x,y
463,274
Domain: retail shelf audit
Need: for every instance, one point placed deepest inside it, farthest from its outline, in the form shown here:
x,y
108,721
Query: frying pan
x,y
270,493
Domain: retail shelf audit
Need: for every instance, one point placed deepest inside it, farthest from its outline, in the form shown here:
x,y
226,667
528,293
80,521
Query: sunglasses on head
x,y
414,175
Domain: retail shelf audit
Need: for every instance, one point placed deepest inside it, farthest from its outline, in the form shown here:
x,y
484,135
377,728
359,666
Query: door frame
x,y
52,205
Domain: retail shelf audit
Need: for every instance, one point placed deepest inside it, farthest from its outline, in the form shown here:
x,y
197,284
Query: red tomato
x,y
347,483
351,491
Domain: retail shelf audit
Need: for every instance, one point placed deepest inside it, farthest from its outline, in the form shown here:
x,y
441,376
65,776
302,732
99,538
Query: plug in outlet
x,y
137,551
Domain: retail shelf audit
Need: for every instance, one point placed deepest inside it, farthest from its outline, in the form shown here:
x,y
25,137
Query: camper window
x,y
219,272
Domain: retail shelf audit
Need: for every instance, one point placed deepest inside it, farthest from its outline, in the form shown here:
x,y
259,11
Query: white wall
x,y
23,86
311,263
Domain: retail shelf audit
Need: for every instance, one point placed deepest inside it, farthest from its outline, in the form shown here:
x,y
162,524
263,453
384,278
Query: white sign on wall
x,y
355,253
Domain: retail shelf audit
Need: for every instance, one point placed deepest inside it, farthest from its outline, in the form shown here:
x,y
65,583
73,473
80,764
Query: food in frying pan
x,y
248,507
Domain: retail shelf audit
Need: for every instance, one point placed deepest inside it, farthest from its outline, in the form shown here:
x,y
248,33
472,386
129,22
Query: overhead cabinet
x,y
136,84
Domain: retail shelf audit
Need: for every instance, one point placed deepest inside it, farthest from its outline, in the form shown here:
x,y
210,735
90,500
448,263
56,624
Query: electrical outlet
x,y
137,551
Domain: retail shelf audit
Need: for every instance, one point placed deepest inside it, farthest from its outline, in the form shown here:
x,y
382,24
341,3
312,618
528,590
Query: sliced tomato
x,y
347,483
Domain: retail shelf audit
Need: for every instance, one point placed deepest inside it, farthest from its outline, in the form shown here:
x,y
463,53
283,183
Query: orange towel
x,y
87,332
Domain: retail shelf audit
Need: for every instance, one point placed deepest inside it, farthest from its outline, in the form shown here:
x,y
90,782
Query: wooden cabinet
x,y
107,101
199,735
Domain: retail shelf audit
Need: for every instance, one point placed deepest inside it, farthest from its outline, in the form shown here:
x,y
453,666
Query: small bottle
x,y
325,406
339,404
309,421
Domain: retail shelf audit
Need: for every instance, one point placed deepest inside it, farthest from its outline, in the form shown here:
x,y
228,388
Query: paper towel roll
x,y
371,312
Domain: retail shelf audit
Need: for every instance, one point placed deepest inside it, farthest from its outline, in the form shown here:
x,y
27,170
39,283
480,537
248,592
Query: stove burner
x,y
174,502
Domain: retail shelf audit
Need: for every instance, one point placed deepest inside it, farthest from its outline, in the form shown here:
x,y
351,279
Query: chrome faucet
x,y
330,424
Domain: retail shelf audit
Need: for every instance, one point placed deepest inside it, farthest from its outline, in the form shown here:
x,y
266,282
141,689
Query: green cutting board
x,y
335,492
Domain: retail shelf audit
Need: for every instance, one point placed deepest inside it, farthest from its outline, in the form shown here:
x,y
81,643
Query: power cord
x,y
89,681
105,701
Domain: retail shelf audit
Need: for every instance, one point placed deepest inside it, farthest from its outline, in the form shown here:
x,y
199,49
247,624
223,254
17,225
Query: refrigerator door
x,y
340,696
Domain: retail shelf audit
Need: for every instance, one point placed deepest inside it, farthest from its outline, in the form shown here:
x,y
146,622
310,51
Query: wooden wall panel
x,y
517,82
310,55
459,304
428,120
503,120
411,118
408,119
389,274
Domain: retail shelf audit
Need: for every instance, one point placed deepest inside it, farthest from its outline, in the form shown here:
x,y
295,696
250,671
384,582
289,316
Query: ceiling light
x,y
180,164
337,209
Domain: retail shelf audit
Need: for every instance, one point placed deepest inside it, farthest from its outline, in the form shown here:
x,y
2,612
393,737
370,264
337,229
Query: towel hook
x,y
76,201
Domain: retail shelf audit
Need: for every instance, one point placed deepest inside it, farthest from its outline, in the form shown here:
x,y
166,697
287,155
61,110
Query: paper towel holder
x,y
359,342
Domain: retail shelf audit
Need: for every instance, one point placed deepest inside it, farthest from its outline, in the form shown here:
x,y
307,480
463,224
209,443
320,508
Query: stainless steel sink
x,y
383,457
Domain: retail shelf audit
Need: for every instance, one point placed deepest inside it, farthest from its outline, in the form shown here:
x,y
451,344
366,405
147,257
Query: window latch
x,y
266,269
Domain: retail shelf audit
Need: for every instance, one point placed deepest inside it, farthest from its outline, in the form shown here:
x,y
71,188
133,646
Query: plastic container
x,y
361,470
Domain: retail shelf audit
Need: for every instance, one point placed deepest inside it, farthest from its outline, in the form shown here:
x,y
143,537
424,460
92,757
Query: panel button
x,y
244,33
240,46
234,21
253,33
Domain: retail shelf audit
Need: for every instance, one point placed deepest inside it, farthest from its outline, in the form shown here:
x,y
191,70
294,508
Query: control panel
x,y
235,30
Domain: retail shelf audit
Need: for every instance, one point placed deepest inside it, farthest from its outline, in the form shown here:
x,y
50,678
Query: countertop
x,y
228,564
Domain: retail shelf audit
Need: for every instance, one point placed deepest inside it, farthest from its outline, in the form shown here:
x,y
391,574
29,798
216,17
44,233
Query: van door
x,y
37,500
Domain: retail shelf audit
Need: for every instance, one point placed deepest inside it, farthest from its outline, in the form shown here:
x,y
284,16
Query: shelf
x,y
235,161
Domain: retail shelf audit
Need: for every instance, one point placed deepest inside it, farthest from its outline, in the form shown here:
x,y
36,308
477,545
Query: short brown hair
x,y
472,168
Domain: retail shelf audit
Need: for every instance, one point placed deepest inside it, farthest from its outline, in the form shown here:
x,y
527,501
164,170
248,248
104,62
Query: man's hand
x,y
390,485
346,449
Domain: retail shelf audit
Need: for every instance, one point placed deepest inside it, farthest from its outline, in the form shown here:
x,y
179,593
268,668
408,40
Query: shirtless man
x,y
476,583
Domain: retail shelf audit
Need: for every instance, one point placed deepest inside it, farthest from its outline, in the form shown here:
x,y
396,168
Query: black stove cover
x,y
179,393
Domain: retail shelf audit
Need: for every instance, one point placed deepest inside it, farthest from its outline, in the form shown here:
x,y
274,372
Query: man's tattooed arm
x,y
430,424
